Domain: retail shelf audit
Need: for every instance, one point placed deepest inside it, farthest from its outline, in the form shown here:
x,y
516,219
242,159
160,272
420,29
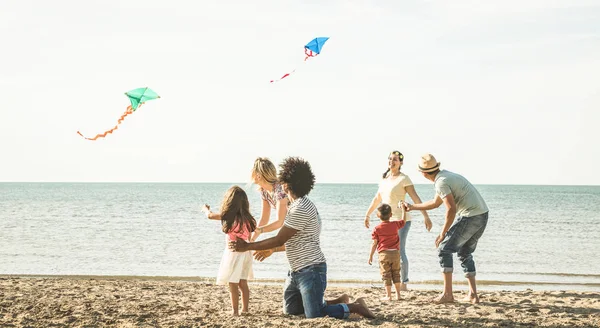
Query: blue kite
x,y
311,49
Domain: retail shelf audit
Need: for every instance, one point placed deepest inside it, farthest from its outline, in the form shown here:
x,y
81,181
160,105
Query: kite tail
x,y
308,53
103,135
284,76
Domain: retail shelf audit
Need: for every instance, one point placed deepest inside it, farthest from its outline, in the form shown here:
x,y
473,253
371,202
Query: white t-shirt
x,y
393,190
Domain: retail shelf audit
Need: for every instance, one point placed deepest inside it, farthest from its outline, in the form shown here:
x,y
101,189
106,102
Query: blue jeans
x,y
462,239
304,291
403,234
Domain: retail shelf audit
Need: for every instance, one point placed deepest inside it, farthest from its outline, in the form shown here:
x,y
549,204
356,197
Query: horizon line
x,y
317,183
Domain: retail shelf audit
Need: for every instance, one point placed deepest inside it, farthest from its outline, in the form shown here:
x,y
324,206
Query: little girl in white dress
x,y
236,267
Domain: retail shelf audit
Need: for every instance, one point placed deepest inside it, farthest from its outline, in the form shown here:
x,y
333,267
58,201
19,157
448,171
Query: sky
x,y
502,92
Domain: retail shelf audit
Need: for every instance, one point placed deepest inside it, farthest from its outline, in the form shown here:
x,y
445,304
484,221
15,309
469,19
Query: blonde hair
x,y
265,168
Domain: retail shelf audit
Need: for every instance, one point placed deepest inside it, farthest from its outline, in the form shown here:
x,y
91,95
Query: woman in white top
x,y
392,190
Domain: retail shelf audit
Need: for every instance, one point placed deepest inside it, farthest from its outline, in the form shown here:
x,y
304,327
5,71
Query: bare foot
x,y
386,298
471,298
403,287
398,297
443,299
360,307
245,313
234,313
345,299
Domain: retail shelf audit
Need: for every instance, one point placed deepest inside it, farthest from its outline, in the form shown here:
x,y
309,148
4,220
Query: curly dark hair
x,y
296,173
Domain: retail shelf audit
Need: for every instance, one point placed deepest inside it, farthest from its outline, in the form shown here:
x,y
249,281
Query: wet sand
x,y
139,302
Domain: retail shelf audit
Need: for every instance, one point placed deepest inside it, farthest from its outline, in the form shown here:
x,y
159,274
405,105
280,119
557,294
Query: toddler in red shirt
x,y
387,243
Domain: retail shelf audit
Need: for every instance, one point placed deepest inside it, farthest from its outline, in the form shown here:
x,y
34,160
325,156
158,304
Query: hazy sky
x,y
503,92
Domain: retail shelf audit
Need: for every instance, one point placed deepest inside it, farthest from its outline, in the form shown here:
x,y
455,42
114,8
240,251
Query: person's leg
x,y
385,269
235,296
395,264
452,242
312,282
477,226
403,233
245,295
345,298
292,299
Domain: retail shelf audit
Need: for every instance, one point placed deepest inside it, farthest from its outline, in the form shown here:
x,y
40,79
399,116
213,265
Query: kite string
x,y
103,135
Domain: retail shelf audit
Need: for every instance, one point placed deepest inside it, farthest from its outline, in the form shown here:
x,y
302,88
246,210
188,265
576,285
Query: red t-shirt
x,y
386,234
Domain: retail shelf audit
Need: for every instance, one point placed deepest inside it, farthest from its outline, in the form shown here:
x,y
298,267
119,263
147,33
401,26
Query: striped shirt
x,y
304,248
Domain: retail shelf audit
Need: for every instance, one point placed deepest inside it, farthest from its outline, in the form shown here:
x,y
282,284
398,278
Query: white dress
x,y
234,266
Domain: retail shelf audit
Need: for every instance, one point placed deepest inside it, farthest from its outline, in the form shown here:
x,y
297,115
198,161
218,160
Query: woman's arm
x,y
265,213
282,207
265,219
376,200
417,200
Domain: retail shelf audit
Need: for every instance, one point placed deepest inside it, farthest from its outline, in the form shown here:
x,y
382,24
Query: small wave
x,y
281,280
555,274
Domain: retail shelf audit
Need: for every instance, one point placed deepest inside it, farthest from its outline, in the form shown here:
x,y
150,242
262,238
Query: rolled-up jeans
x,y
304,292
462,238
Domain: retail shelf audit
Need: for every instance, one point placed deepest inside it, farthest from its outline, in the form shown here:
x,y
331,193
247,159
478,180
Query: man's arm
x,y
428,205
450,214
284,234
262,255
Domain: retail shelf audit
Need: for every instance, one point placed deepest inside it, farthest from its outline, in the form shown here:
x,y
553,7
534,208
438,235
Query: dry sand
x,y
117,302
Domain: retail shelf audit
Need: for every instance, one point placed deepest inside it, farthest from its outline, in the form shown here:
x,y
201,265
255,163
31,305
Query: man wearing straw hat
x,y
459,236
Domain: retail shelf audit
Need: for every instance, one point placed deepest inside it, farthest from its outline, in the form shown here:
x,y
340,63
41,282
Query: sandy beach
x,y
154,302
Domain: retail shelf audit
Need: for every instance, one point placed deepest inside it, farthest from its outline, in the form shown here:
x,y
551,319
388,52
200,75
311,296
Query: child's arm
x,y
210,215
373,248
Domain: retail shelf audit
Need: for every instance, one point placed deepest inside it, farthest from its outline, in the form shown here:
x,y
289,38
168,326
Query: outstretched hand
x,y
262,255
206,209
406,206
238,245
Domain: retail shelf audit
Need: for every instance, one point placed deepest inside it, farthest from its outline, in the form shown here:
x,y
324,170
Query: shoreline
x,y
425,285
132,302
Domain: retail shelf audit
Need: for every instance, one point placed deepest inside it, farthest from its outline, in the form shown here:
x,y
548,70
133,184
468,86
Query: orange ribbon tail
x,y
103,135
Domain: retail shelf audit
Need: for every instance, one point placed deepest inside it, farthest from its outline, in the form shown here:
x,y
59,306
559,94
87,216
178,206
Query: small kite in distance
x,y
311,49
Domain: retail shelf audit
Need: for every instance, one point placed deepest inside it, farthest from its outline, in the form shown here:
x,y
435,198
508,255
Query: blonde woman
x,y
392,190
264,174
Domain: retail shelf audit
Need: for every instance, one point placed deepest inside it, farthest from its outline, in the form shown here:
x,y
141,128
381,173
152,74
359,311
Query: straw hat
x,y
428,163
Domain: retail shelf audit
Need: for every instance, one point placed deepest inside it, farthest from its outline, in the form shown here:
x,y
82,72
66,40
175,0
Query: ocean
x,y
538,237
